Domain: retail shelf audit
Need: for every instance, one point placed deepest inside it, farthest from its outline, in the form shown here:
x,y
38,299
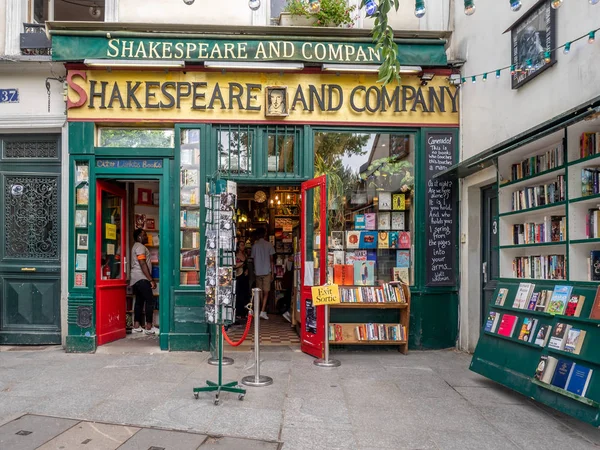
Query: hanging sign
x,y
111,231
325,295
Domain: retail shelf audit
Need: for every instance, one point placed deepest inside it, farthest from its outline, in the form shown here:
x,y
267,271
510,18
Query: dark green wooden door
x,y
489,247
30,252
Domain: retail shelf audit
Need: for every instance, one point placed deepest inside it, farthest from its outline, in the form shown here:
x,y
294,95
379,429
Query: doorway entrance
x,y
489,247
124,208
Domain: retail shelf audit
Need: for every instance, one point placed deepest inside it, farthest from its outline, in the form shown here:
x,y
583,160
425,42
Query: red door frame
x,y
110,294
313,344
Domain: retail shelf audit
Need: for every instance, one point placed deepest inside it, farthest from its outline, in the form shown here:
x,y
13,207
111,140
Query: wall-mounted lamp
x,y
426,77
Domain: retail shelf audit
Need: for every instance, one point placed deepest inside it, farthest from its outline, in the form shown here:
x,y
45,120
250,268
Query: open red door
x,y
111,284
313,272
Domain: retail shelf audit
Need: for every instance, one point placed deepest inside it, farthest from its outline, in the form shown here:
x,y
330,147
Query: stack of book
x,y
552,229
537,164
544,194
387,293
564,374
592,223
589,144
379,332
548,267
590,181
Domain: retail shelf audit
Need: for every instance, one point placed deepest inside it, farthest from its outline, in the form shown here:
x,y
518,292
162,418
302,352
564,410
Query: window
x,y
136,138
69,10
370,200
281,144
234,147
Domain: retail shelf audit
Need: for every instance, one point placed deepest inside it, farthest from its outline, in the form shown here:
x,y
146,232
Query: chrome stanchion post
x,y
257,379
326,362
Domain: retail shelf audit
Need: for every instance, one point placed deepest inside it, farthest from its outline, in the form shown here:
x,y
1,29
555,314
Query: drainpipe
x,y
50,10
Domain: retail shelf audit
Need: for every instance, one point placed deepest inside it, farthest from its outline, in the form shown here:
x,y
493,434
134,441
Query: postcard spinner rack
x,y
220,276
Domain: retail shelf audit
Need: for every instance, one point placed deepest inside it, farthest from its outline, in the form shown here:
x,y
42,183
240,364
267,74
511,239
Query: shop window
x,y
370,191
281,143
234,145
136,138
189,198
69,10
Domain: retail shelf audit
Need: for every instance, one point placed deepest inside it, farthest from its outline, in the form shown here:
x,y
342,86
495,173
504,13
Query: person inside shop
x,y
142,283
242,287
262,256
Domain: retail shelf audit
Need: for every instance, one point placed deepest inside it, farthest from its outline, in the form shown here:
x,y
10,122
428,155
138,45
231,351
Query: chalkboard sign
x,y
441,208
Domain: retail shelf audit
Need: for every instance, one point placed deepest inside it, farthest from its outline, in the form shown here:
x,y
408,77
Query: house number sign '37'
x,y
9,96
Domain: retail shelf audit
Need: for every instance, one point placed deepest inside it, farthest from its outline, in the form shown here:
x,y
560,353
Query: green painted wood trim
x,y
81,138
516,341
532,177
585,241
584,198
536,244
193,342
566,393
134,153
569,355
530,210
586,159
38,337
80,344
528,312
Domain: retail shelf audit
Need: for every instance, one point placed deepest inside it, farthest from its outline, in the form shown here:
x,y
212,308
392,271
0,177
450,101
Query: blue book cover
x,y
402,258
368,239
490,321
562,373
393,236
371,255
579,380
560,298
359,222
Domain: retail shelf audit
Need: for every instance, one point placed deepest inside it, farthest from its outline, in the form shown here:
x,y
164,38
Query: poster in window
x,y
311,318
532,36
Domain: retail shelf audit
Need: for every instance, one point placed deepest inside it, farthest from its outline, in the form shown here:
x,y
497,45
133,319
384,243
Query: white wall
x,y
236,12
492,112
2,25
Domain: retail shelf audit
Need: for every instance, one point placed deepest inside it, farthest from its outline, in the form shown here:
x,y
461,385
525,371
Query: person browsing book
x,y
262,255
142,282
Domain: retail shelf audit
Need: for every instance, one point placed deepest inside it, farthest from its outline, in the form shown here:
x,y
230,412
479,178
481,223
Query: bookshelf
x,y
189,213
574,234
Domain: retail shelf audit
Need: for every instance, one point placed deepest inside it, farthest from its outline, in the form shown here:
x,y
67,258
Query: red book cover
x,y
348,276
404,239
338,274
507,326
572,305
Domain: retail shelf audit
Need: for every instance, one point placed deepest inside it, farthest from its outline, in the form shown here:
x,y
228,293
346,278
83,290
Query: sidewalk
x,y
381,400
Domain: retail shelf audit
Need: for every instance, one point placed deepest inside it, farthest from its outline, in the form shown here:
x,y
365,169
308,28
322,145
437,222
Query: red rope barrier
x,y
243,338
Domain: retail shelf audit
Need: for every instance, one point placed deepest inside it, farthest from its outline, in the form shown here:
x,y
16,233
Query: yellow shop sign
x,y
298,97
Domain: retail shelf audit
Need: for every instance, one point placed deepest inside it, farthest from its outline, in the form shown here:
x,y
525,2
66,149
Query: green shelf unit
x,y
512,363
585,241
536,244
532,177
585,198
535,209
586,159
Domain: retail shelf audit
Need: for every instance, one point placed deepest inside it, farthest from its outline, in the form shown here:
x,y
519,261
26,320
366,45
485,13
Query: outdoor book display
x,y
542,328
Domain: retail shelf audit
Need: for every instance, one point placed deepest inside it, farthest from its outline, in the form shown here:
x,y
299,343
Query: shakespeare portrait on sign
x,y
277,105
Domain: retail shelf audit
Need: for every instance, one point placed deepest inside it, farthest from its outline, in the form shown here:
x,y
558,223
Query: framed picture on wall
x,y
277,103
533,37
144,196
82,241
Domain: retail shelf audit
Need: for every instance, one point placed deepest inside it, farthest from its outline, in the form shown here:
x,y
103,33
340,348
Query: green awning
x,y
78,45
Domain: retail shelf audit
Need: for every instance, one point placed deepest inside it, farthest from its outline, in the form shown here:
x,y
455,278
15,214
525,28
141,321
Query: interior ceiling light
x,y
253,65
133,63
366,68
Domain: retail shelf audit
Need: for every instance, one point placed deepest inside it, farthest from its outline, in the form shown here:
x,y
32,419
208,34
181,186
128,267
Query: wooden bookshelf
x,y
379,305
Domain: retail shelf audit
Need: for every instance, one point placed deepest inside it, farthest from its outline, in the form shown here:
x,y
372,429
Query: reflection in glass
x,y
234,146
189,220
281,151
111,237
370,180
136,138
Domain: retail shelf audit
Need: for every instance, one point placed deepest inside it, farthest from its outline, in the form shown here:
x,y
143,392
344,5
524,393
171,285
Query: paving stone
x,y
485,396
88,435
168,440
317,439
466,440
228,443
246,422
404,440
33,431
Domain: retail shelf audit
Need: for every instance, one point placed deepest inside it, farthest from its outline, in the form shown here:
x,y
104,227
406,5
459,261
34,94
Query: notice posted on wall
x,y
441,210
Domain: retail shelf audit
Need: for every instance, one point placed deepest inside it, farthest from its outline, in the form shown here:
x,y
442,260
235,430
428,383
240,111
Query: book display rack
x,y
82,195
542,327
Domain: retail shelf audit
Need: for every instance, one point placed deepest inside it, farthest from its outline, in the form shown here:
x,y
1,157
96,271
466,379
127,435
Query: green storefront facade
x,y
101,99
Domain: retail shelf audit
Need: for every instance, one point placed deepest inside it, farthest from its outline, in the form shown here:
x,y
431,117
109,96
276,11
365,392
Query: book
x,y
574,341
558,337
533,301
402,258
81,261
364,273
338,257
352,239
507,325
595,265
385,201
400,274
562,373
492,321
357,255
543,334
404,239
81,218
542,301
397,220
359,222
545,369
383,240
337,240
394,239
371,221
579,379
526,329
398,202
523,294
501,297
368,239
384,221
575,305
559,299
80,279
83,195
595,312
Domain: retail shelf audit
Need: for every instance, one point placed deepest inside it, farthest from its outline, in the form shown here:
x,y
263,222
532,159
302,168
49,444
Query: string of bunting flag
x,y
529,64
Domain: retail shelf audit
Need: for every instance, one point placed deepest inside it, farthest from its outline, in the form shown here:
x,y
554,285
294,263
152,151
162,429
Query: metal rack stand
x,y
223,313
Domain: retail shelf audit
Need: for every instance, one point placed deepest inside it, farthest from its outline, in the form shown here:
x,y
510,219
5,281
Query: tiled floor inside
x,y
275,331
